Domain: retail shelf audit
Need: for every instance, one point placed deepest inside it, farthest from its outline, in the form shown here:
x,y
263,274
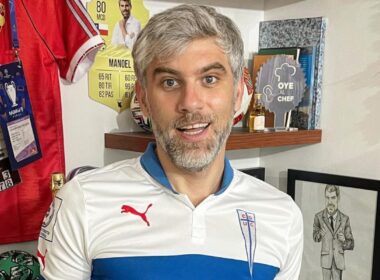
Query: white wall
x,y
350,115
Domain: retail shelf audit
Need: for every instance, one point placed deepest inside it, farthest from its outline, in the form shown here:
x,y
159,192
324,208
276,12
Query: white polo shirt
x,y
125,221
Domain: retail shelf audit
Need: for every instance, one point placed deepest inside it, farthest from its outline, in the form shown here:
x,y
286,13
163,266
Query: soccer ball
x,y
138,116
18,265
247,96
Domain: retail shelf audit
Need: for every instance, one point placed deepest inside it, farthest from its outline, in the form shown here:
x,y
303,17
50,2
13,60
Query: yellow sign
x,y
111,78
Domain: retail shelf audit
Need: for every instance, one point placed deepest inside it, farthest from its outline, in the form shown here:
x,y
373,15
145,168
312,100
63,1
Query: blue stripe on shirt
x,y
183,267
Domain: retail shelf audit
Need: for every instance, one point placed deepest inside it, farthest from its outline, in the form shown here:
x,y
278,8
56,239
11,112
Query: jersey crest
x,y
247,222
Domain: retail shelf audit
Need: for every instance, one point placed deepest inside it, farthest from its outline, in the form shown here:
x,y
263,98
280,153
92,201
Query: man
x,y
126,30
332,228
180,211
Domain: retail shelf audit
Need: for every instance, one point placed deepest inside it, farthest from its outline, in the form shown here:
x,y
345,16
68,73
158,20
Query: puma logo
x,y
133,211
42,258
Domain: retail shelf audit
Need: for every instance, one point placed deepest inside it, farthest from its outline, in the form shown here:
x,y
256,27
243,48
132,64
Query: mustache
x,y
190,118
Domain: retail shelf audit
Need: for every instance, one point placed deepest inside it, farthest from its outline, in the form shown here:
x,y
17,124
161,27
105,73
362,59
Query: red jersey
x,y
6,53
57,38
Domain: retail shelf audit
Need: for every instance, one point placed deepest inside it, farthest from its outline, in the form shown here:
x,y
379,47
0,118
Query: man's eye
x,y
169,83
210,79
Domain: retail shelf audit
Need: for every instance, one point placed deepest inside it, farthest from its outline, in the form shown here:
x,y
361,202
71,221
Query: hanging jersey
x,y
124,221
57,38
6,53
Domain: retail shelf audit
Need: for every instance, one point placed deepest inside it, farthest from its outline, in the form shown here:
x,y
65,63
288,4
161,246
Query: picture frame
x,y
258,172
359,200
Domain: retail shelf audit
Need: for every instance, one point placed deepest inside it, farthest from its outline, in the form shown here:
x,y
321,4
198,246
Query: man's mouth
x,y
193,129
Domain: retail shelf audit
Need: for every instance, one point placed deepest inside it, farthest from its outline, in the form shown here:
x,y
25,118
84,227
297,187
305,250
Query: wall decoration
x,y
341,217
111,79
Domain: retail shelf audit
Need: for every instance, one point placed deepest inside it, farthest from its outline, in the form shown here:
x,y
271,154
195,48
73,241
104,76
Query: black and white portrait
x,y
339,228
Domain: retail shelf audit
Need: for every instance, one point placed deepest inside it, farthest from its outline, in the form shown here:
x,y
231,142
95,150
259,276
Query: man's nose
x,y
192,98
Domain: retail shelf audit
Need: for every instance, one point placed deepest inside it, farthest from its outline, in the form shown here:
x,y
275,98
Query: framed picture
x,y
258,172
341,216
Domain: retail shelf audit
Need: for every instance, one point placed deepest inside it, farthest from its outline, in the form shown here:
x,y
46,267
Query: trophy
x,y
11,92
57,182
281,81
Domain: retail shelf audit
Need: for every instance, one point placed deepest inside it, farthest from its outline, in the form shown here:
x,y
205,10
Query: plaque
x,y
281,81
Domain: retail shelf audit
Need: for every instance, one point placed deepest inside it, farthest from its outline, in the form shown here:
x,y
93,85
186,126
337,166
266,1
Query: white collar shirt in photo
x,y
133,27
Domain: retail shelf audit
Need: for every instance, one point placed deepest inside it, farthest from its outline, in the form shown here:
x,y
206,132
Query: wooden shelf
x,y
239,139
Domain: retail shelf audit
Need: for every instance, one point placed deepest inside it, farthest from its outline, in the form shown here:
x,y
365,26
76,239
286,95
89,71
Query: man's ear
x,y
239,94
142,99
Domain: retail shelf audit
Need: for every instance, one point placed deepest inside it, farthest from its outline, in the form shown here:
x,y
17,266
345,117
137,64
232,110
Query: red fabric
x,y
49,36
6,53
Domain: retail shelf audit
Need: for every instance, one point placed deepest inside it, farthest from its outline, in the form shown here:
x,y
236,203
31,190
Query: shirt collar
x,y
152,165
333,216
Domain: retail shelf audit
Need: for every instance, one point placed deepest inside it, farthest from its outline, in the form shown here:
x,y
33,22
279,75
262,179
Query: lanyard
x,y
12,14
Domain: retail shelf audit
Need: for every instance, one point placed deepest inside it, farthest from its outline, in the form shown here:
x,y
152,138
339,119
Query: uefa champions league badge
x,y
16,117
247,222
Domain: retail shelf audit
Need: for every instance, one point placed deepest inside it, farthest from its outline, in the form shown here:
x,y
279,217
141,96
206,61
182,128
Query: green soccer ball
x,y
18,265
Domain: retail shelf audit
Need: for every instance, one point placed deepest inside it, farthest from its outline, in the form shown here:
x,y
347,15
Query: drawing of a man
x,y
332,228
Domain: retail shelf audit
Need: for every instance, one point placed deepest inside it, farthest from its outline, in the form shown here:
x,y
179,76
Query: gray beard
x,y
187,156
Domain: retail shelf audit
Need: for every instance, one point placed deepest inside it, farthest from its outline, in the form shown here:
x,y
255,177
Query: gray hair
x,y
168,33
333,188
129,2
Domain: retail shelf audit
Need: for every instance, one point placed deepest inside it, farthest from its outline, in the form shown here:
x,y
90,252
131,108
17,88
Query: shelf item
x,y
302,32
239,139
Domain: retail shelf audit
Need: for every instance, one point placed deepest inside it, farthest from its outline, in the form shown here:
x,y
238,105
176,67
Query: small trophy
x,y
57,182
282,82
11,92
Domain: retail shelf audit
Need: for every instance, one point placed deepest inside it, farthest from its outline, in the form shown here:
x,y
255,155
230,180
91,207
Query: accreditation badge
x,y
16,117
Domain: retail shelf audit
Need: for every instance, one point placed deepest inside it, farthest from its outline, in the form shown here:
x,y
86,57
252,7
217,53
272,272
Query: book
x,y
293,51
302,116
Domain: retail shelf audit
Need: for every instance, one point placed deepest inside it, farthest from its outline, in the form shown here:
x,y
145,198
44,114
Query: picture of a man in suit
x,y
332,228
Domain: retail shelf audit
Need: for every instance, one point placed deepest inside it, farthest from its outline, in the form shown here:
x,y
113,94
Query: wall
x,y
351,93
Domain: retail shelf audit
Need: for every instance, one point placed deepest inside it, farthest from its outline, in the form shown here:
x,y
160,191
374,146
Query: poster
x,y
360,207
111,78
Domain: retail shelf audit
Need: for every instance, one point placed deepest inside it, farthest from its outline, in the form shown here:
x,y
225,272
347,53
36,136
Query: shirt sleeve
x,y
62,245
292,266
116,34
68,32
133,30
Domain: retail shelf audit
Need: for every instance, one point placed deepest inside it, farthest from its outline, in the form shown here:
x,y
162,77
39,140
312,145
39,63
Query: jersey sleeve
x,y
292,266
62,244
68,32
